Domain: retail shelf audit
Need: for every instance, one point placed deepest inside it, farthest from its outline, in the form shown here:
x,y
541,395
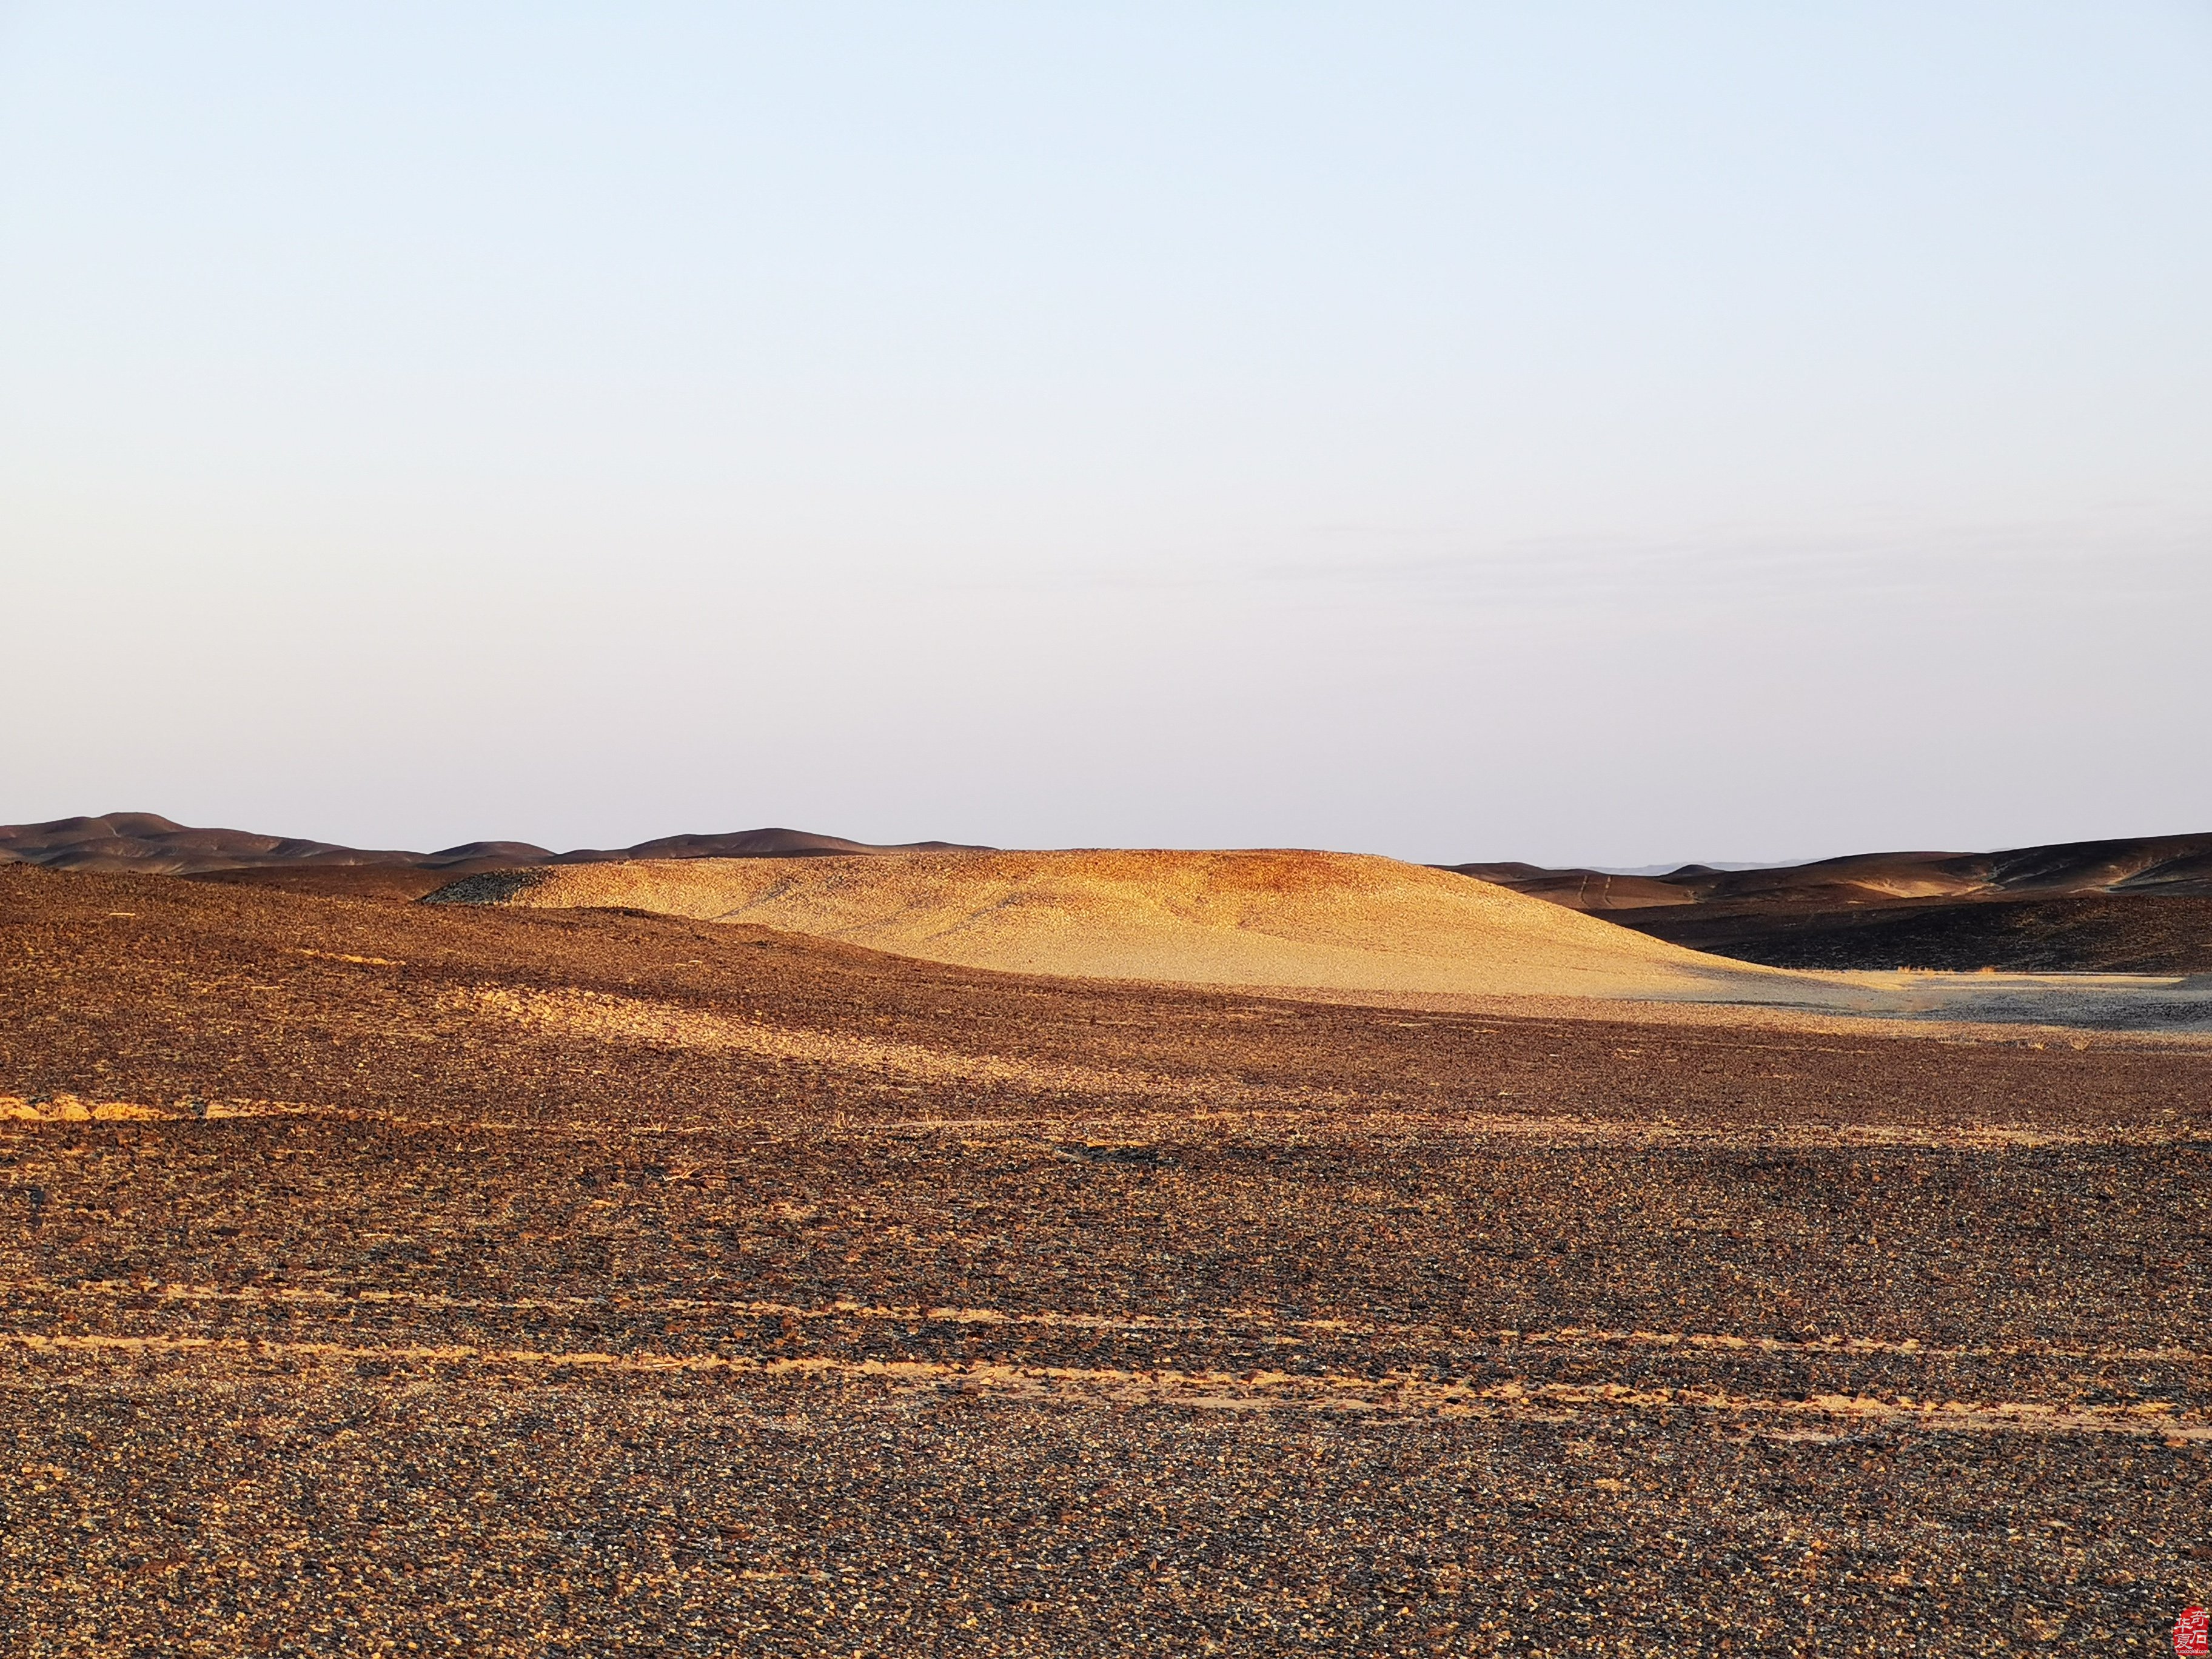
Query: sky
x,y
1576,433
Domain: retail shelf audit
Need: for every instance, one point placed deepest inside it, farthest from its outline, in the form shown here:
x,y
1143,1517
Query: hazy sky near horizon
x,y
1578,432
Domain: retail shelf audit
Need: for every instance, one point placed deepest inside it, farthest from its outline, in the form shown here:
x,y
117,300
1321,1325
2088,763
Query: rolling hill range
x,y
149,844
1335,926
2165,866
2142,906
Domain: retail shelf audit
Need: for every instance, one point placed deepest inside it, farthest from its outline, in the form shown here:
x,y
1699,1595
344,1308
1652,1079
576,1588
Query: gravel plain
x,y
380,1278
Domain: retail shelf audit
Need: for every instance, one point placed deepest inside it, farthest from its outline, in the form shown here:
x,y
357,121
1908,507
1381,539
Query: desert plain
x,y
948,1252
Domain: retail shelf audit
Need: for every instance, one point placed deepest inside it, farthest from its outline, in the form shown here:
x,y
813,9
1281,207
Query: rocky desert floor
x,y
382,1278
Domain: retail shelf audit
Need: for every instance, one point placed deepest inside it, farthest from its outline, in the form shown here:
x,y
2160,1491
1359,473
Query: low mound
x,y
1285,920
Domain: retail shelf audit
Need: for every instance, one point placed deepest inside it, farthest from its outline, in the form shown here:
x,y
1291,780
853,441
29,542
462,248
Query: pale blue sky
x,y
1570,431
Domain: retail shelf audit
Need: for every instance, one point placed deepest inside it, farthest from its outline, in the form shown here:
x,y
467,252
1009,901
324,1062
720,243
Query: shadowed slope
x,y
1323,921
2103,934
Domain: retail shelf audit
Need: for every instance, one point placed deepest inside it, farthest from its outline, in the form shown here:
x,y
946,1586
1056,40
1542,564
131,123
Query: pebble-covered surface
x,y
385,1278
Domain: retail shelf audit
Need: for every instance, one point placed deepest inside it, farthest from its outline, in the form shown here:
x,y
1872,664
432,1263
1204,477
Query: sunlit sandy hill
x,y
1319,920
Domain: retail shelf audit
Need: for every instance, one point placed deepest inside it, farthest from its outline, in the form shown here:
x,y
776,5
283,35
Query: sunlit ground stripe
x,y
1251,1391
1230,1320
65,1108
1170,1127
666,1025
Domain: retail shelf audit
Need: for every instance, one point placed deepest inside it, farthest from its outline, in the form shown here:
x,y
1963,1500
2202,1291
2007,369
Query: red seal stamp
x,y
2192,1633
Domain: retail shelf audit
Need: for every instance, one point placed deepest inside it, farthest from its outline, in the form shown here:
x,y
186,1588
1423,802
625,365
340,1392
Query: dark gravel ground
x,y
968,1313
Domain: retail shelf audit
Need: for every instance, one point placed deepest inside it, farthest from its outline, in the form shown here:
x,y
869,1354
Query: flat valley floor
x,y
375,1278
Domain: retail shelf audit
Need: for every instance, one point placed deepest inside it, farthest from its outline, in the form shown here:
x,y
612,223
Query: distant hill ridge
x,y
2140,906
2178,866
149,844
2175,865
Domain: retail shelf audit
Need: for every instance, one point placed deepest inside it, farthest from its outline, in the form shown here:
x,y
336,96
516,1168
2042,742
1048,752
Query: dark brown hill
x,y
2131,906
149,844
750,844
2177,866
2138,934
152,844
1582,890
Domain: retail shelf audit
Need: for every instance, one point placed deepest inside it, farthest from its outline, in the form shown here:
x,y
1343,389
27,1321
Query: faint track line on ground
x,y
1260,1390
